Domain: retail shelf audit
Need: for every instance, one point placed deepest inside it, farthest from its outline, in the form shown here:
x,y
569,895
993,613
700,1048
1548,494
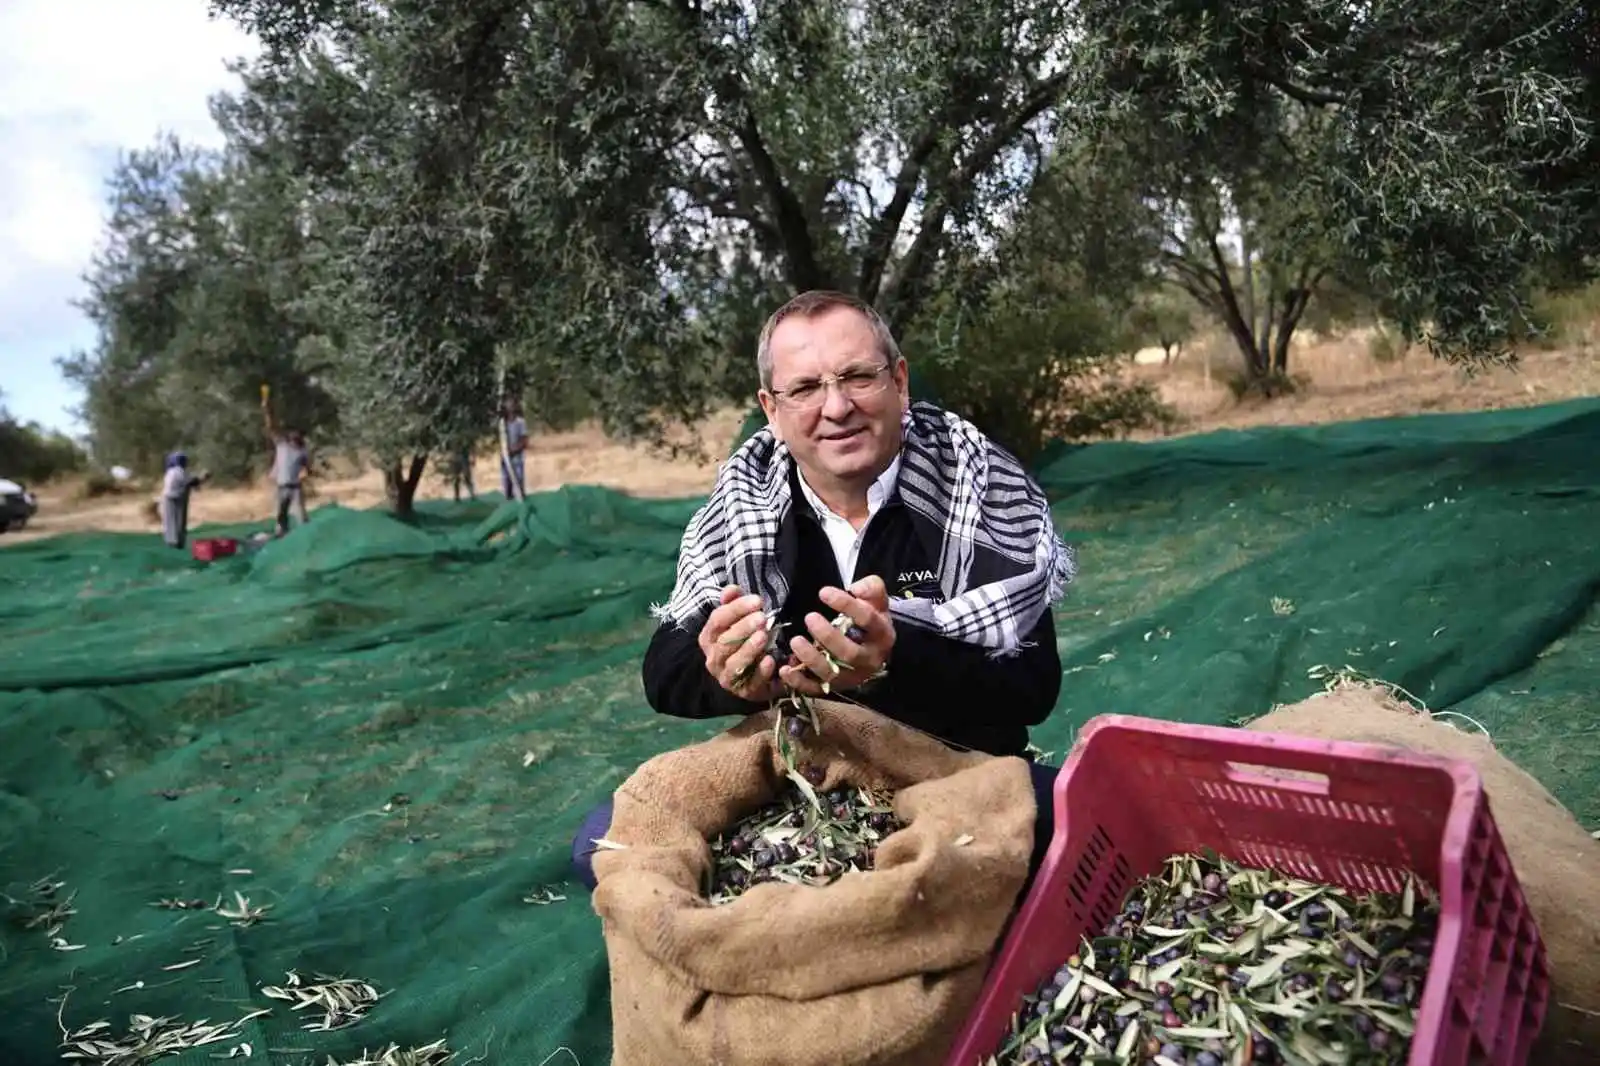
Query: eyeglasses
x,y
855,384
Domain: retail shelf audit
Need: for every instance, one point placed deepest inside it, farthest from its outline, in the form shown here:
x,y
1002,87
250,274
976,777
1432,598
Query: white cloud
x,y
81,80
52,212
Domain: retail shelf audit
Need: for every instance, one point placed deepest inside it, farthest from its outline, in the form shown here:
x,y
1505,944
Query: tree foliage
x,y
1025,324
602,200
1250,255
194,296
29,453
1161,317
649,174
1419,142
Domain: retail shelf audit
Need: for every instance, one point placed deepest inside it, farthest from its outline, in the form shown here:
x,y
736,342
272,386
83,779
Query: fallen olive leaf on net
x,y
147,1038
240,912
45,910
342,1001
543,896
434,1054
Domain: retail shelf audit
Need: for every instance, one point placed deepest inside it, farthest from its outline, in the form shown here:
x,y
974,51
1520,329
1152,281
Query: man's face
x,y
846,432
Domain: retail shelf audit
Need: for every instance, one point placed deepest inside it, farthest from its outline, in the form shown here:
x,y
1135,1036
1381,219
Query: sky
x,y
82,81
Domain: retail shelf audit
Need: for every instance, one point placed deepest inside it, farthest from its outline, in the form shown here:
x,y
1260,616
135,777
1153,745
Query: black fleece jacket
x,y
952,690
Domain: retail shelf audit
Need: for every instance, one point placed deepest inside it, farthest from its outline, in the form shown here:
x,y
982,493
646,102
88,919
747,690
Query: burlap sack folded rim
x,y
968,822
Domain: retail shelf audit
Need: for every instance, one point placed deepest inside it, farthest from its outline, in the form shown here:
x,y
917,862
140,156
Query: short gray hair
x,y
815,302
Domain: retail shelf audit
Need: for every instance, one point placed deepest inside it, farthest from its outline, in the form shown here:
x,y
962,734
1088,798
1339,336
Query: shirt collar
x,y
878,492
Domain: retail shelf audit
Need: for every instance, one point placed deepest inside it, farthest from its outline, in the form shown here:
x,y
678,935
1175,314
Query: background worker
x,y
513,480
176,485
461,474
291,464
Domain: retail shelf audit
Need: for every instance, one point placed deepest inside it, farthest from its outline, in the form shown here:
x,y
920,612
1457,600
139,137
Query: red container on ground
x,y
1360,816
213,548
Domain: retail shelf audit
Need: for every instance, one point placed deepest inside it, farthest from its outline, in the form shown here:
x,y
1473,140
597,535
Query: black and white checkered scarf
x,y
1000,562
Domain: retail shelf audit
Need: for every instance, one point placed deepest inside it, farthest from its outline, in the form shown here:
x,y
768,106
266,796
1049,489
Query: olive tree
x,y
616,188
1423,151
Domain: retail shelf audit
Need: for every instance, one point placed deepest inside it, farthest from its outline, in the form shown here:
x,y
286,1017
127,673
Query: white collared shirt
x,y
842,536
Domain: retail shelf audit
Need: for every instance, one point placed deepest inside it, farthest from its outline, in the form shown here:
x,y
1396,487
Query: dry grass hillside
x,y
1341,380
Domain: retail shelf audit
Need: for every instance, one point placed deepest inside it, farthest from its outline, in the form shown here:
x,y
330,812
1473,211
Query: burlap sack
x,y
1557,862
876,968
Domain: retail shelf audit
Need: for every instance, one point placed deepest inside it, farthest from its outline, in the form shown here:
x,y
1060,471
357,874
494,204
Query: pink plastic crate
x,y
213,548
1135,790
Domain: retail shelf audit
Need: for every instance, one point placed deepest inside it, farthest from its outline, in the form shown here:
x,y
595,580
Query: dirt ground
x,y
1341,381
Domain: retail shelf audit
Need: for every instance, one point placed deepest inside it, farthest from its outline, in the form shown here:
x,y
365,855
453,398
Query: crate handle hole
x,y
1276,777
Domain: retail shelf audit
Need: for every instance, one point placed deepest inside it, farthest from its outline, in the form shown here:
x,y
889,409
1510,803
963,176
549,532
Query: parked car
x,y
17,505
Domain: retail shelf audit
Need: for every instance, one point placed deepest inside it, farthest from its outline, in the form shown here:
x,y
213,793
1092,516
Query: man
x,y
932,540
176,485
461,473
291,462
513,482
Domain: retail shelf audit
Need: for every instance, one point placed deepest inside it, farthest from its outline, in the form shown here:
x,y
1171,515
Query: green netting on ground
x,y
395,728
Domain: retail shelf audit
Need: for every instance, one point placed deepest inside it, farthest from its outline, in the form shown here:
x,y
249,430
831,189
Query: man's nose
x,y
836,406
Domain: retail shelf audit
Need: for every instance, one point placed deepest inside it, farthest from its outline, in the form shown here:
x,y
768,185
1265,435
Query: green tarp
x,y
395,729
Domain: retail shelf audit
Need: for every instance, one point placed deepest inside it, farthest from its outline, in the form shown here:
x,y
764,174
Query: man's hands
x,y
736,638
862,651
734,641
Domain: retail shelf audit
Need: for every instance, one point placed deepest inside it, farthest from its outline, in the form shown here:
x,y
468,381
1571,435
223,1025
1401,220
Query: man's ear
x,y
769,407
